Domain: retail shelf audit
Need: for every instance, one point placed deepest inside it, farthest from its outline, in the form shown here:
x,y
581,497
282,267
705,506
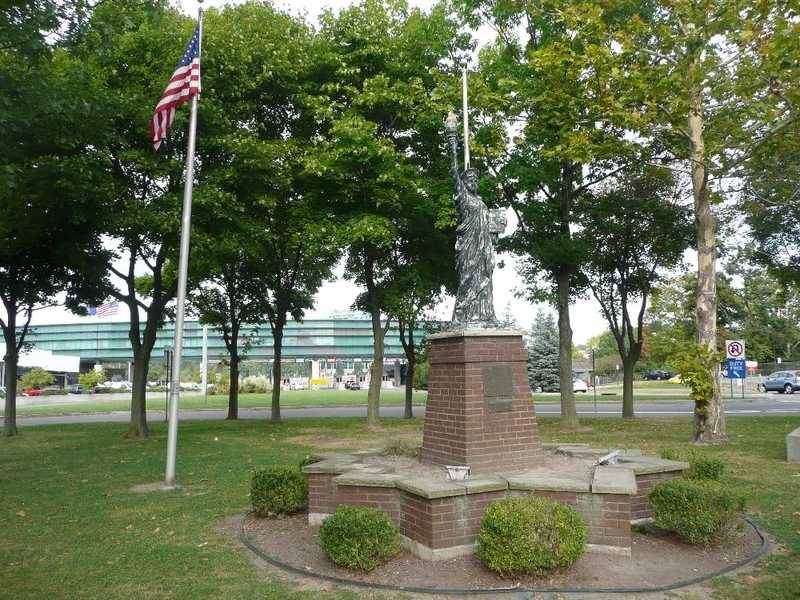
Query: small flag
x,y
184,83
105,310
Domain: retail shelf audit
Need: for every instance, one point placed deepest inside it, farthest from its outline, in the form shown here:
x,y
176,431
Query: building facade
x,y
325,342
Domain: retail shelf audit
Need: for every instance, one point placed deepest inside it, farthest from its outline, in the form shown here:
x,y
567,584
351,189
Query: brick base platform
x,y
479,410
441,519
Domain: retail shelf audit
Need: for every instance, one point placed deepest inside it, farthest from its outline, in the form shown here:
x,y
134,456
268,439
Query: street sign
x,y
737,368
734,348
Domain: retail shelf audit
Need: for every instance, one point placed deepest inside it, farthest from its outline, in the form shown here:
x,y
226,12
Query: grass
x,y
73,529
645,391
289,399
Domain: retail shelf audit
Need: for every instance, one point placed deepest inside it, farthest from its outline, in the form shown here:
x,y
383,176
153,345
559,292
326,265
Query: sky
x,y
337,296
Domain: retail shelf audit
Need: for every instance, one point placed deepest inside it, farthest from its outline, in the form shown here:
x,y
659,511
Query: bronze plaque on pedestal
x,y
498,387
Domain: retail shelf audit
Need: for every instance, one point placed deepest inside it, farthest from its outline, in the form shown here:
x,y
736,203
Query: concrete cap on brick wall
x,y
646,465
331,465
368,479
548,482
613,480
485,484
429,488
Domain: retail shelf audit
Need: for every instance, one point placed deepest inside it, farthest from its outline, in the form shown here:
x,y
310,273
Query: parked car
x,y
579,385
657,375
32,392
76,388
352,385
783,382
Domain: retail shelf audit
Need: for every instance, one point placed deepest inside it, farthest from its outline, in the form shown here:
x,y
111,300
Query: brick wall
x,y
461,427
640,505
456,520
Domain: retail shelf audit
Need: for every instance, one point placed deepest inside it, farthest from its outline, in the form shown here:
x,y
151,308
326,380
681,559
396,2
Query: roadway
x,y
762,406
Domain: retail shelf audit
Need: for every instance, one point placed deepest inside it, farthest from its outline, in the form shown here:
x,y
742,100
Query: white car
x,y
579,385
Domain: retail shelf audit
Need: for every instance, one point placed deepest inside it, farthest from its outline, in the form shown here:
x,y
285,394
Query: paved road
x,y
764,406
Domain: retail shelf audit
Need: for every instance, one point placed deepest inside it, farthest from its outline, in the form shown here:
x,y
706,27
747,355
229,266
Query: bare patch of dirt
x,y
145,488
658,558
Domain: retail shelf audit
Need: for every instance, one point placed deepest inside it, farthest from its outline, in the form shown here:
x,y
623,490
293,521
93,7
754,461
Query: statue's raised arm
x,y
451,134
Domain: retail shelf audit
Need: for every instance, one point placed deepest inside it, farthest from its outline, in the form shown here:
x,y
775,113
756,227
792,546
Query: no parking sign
x,y
734,348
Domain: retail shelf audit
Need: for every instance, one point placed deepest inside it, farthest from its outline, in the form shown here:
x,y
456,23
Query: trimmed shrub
x,y
278,491
359,538
530,536
698,511
704,468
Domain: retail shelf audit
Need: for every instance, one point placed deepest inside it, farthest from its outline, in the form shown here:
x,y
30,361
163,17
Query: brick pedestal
x,y
479,410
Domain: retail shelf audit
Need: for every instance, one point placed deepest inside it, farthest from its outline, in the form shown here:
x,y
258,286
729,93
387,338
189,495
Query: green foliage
x,y
530,536
705,468
35,378
278,491
92,378
359,538
698,511
696,366
543,353
701,467
255,384
421,373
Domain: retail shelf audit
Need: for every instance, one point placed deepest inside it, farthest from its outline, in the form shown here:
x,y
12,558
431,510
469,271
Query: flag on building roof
x,y
105,310
184,83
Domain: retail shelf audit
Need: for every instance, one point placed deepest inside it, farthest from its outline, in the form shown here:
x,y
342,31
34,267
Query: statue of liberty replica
x,y
476,235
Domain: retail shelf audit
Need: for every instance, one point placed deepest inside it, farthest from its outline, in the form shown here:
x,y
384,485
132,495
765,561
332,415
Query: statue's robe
x,y
474,260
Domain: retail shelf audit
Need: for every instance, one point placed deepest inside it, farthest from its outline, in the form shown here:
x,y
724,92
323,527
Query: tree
x,y
717,84
92,378
35,378
771,204
52,204
631,232
127,44
671,319
543,348
554,72
227,300
383,158
264,160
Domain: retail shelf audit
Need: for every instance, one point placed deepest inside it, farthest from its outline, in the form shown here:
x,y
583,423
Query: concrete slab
x,y
645,465
428,488
613,480
550,482
793,446
386,480
485,484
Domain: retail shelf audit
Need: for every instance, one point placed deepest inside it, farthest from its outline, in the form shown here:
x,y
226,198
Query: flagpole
x,y
183,268
466,119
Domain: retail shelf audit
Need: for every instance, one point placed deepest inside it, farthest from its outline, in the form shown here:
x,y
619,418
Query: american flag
x,y
184,83
104,310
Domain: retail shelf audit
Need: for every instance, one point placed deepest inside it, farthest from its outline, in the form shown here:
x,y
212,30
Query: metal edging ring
x,y
762,549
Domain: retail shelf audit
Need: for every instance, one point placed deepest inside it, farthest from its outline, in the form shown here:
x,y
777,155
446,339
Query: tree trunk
x,y
233,388
627,387
709,421
569,416
277,348
409,412
137,428
10,365
376,370
141,366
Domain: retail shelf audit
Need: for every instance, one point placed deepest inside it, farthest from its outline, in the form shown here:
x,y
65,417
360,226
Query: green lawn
x,y
289,399
72,529
644,392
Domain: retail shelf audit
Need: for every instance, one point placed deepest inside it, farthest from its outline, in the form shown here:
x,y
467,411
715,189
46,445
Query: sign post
x,y
736,363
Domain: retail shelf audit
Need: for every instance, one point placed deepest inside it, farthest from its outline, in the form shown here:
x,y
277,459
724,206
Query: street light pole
x,y
594,385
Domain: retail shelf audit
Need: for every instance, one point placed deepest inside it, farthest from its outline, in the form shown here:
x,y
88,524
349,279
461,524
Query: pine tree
x,y
543,353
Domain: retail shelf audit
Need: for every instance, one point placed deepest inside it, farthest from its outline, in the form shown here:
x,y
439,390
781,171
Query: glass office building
x,y
329,340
